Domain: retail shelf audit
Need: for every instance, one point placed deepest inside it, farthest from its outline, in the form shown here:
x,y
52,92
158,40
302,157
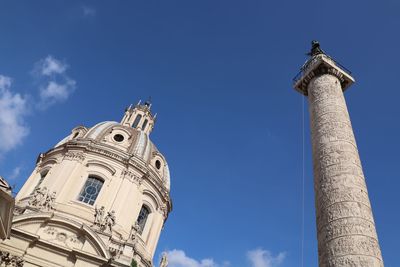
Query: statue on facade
x,y
134,231
164,260
99,216
49,202
35,197
109,220
41,198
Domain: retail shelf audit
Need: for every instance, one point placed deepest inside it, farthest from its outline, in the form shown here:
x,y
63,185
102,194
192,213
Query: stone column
x,y
345,225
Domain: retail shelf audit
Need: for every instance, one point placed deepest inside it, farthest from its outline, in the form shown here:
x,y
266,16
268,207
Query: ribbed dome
x,y
127,139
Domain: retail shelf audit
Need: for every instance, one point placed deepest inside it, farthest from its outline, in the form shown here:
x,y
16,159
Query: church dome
x,y
103,191
129,139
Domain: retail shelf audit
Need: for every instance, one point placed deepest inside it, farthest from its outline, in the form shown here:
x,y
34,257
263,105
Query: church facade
x,y
100,197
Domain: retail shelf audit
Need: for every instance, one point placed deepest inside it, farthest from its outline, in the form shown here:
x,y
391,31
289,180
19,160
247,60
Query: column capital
x,y
318,65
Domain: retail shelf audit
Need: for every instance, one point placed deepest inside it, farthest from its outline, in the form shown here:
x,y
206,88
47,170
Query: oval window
x,y
119,137
158,164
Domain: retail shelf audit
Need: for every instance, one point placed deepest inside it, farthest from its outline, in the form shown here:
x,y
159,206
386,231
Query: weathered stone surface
x,y
345,225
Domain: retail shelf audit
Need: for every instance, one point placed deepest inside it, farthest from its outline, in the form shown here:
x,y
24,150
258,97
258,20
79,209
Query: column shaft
x,y
345,225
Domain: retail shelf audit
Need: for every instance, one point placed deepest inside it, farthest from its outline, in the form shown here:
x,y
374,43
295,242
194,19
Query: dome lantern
x,y
139,117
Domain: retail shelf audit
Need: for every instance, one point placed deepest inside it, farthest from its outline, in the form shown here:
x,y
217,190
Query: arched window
x,y
142,218
144,125
90,190
137,120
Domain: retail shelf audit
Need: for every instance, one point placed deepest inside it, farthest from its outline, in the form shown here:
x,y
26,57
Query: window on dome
x,y
144,125
119,137
137,120
142,218
158,164
90,190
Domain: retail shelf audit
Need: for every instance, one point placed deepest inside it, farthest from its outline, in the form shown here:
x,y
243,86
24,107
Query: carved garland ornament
x,y
77,156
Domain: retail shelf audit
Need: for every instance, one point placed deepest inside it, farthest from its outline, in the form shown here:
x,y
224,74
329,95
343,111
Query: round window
x,y
119,137
158,164
90,190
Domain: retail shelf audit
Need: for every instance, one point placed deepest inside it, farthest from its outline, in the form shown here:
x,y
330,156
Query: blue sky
x,y
230,124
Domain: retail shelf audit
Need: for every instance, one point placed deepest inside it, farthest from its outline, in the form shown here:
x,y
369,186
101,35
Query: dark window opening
x,y
158,164
119,137
137,120
144,125
142,218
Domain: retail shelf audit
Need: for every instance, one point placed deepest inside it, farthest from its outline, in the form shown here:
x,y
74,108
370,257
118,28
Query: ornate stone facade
x,y
7,203
100,197
345,225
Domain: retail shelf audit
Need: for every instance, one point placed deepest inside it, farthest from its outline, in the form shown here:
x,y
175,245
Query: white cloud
x,y
264,258
56,92
50,66
55,85
88,11
178,258
13,106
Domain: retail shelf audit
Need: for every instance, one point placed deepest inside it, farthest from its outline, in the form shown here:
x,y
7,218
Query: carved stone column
x,y
345,225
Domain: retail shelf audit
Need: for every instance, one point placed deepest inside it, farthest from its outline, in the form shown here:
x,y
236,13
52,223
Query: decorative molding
x,y
163,209
132,176
115,252
6,259
77,156
62,237
103,165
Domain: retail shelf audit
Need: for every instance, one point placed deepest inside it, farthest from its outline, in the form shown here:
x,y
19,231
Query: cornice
x,y
77,149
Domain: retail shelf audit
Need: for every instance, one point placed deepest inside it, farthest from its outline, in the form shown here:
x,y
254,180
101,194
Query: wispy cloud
x,y
15,173
257,258
13,106
264,258
50,66
178,258
55,85
88,11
